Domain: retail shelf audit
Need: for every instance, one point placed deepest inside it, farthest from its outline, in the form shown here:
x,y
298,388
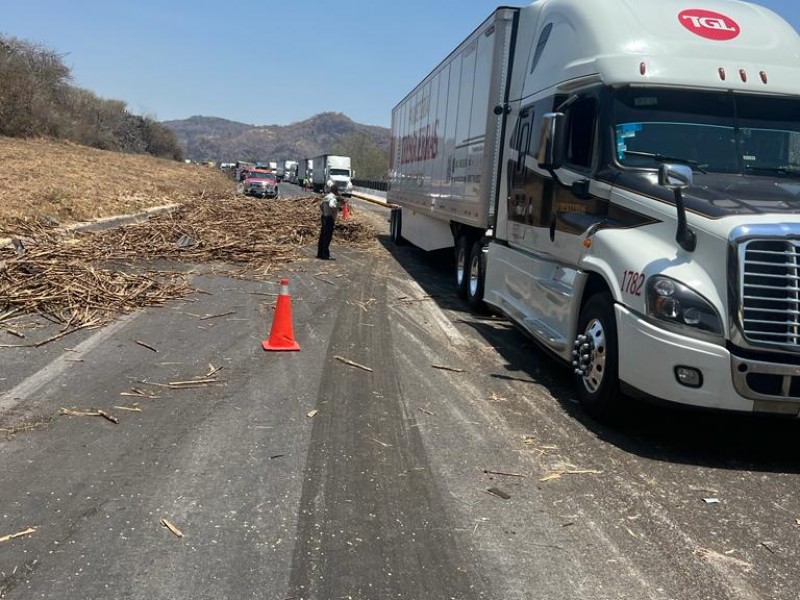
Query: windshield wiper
x,y
663,158
784,169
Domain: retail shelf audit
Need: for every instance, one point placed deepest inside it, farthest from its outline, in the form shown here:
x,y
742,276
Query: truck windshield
x,y
714,131
343,172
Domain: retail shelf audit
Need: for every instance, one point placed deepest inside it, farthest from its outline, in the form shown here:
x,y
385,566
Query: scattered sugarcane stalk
x,y
89,413
446,368
81,279
166,523
13,536
352,364
148,346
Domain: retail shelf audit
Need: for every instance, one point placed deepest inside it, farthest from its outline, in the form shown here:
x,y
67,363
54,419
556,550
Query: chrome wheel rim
x,y
591,349
461,266
474,274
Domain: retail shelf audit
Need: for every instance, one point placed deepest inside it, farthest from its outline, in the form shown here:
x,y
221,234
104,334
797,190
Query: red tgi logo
x,y
710,25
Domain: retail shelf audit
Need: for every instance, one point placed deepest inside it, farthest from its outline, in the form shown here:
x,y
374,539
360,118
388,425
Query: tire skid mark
x,y
371,522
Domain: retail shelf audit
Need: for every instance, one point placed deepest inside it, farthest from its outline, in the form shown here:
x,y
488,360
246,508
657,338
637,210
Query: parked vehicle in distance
x,y
305,170
290,171
622,180
330,169
262,184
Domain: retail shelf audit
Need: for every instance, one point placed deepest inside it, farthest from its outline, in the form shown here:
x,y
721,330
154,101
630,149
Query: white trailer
x,y
331,169
290,170
622,180
305,169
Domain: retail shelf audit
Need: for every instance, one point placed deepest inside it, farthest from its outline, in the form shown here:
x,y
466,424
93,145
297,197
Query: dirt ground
x,y
58,183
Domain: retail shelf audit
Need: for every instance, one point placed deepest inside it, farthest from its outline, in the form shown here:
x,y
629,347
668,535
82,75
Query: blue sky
x,y
260,62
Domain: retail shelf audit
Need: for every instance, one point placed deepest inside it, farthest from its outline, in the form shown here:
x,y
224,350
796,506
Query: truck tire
x,y
396,227
596,358
476,277
462,266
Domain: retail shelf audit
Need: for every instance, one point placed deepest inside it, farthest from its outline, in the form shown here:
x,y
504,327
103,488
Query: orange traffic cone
x,y
346,211
281,336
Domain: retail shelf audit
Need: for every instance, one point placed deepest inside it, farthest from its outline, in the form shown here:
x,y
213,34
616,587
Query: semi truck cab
x,y
631,197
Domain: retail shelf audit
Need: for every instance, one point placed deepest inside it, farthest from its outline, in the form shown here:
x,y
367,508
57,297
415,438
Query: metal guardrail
x,y
370,194
371,184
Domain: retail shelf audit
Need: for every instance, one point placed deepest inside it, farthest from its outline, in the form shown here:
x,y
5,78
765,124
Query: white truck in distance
x,y
622,180
290,170
332,169
305,168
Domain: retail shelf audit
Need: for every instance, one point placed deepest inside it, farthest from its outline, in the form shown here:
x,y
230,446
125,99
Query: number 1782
x,y
632,283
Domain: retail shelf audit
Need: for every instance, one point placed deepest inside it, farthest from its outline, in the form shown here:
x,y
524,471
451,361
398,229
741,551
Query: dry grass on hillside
x,y
59,183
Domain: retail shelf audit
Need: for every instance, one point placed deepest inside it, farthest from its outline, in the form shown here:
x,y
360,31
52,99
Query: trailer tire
x,y
596,358
476,277
396,226
462,266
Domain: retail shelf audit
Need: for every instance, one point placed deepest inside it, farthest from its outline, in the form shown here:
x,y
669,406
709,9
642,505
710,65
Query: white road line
x,y
32,384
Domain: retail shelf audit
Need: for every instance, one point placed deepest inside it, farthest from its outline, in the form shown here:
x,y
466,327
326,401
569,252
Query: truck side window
x,y
521,141
581,130
543,37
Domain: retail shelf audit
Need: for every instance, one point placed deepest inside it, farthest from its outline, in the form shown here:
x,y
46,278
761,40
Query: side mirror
x,y
551,141
674,176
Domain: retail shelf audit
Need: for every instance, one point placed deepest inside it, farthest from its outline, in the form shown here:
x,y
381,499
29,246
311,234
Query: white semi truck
x,y
331,169
305,169
290,170
622,180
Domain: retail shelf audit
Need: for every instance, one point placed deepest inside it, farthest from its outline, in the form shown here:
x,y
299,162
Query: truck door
x,y
530,192
581,201
545,217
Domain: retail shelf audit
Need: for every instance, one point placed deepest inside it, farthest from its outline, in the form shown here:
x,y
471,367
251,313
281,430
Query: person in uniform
x,y
329,206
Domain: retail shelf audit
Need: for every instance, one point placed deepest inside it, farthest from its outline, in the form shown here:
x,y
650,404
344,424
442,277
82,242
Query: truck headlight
x,y
671,301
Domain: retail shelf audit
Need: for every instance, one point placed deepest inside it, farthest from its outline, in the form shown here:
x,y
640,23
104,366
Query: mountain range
x,y
221,140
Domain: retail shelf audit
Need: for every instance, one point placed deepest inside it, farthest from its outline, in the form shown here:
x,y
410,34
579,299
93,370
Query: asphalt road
x,y
457,466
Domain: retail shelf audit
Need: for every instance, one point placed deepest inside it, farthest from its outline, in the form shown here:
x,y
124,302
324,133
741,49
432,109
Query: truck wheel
x,y
396,226
462,266
476,277
595,358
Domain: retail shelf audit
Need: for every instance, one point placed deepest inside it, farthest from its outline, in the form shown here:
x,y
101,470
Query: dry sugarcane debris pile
x,y
248,232
66,277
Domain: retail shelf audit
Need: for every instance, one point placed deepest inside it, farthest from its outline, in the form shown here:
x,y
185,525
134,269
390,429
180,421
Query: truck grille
x,y
770,293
